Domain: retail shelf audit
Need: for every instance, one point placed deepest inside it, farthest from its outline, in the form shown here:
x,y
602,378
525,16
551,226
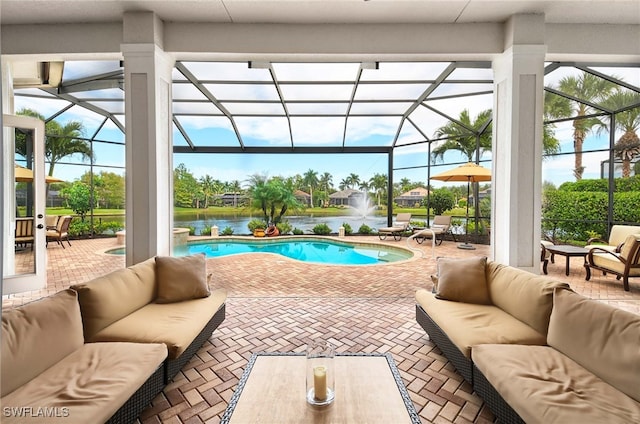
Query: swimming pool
x,y
306,249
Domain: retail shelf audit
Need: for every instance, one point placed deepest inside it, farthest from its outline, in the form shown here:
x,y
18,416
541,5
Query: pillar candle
x,y
320,383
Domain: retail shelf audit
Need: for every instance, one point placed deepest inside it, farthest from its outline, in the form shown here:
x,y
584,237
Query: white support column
x,y
517,145
7,214
149,174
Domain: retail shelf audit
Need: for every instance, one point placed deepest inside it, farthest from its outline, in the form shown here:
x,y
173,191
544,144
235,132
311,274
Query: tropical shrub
x,y
78,197
298,232
79,228
228,231
365,229
256,223
284,227
347,228
108,227
206,230
192,230
440,200
321,229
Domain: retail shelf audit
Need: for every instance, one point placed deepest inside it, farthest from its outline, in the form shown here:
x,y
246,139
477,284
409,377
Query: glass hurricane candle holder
x,y
320,373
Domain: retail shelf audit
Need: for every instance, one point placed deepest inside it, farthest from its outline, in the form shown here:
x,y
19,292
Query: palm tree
x,y
405,185
274,197
209,188
628,145
379,183
60,140
310,179
464,138
585,87
352,180
326,180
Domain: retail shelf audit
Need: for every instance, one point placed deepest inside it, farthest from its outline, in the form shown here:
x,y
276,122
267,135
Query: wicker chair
x,y
623,265
61,232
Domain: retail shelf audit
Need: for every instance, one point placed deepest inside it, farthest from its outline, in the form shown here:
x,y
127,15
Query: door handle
x,y
40,226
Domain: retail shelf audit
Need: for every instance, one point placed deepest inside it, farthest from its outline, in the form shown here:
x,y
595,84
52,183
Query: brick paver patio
x,y
276,304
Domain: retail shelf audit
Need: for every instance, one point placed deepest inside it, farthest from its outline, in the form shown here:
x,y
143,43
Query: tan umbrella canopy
x,y
471,173
25,175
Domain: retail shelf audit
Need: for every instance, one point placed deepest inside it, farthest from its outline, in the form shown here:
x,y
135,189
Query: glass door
x,y
24,231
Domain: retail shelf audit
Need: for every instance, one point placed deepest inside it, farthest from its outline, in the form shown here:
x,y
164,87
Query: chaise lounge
x,y
401,226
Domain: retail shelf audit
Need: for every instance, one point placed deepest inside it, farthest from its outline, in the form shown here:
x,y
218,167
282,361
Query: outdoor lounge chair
x,y
61,232
617,236
24,232
441,226
398,229
623,265
545,254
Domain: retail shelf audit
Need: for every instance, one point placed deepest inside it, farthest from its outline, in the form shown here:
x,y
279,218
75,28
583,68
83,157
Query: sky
x,y
229,167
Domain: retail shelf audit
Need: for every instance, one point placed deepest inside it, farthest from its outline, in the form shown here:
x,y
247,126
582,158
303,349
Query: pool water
x,y
314,250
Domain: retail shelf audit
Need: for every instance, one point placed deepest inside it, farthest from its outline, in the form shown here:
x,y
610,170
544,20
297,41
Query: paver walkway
x,y
276,304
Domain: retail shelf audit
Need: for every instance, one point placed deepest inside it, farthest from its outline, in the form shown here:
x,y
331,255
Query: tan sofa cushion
x,y
603,339
522,294
469,324
182,278
38,335
463,280
174,324
544,386
90,384
111,297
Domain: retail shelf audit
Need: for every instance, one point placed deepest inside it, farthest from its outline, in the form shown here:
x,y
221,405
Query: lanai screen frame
x,y
114,80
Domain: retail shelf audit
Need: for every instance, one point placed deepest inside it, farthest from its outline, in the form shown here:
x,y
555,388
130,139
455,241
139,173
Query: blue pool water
x,y
305,249
302,249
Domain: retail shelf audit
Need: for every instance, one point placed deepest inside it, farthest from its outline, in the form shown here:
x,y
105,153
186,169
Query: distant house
x,y
481,195
231,199
348,197
412,197
304,198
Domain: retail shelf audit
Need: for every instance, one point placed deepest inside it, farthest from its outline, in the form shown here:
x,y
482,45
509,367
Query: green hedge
x,y
571,216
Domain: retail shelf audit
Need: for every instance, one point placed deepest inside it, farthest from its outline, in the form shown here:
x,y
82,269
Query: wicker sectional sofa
x,y
125,305
102,350
49,375
516,311
589,372
535,351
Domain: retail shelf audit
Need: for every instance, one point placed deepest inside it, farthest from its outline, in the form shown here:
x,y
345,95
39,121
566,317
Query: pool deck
x,y
276,304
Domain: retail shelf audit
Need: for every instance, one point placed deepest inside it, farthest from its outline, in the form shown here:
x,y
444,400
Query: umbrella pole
x,y
466,244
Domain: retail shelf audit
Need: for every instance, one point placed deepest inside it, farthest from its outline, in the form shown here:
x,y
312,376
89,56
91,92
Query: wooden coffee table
x,y
568,251
368,388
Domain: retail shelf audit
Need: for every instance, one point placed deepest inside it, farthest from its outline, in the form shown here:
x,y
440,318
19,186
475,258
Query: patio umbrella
x,y
25,175
471,173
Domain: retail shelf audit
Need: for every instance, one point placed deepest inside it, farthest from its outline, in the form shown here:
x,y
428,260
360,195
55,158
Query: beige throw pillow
x,y
463,280
181,278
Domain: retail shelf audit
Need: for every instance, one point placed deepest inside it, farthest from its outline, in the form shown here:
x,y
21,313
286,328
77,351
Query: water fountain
x,y
362,212
362,207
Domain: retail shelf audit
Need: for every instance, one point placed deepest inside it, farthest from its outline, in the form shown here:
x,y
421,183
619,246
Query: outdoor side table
x,y
568,251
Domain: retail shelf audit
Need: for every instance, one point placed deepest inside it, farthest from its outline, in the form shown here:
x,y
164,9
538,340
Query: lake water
x,y
304,223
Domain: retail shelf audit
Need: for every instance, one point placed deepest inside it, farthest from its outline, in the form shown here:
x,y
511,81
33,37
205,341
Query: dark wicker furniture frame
x,y
140,399
494,401
454,355
173,366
